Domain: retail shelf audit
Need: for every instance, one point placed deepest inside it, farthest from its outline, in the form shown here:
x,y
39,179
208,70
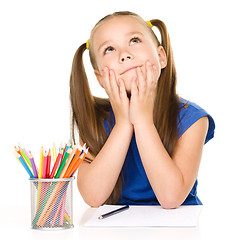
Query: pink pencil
x,y
48,164
44,170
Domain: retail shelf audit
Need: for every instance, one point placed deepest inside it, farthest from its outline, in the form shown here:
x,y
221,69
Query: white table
x,y
15,223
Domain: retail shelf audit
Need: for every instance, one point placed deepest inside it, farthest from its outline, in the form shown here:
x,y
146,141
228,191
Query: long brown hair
x,y
89,112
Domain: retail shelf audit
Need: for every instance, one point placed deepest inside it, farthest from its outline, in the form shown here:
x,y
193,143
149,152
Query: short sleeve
x,y
189,114
109,122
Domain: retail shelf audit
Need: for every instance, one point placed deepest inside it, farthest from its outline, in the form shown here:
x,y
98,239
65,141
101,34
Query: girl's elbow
x,y
93,202
92,199
170,203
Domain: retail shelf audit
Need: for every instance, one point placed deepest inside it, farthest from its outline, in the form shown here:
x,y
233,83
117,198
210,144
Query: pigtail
x,y
167,101
86,109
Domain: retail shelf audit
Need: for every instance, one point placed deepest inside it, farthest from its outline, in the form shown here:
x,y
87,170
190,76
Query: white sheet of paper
x,y
146,216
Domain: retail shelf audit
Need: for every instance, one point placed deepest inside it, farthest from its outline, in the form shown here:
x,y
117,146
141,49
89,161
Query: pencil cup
x,y
51,203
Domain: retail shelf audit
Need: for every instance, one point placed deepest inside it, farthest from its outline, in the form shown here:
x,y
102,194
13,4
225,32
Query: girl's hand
x,y
117,95
143,93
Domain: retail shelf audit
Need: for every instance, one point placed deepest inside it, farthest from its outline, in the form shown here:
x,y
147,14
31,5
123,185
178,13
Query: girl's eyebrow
x,y
104,43
128,34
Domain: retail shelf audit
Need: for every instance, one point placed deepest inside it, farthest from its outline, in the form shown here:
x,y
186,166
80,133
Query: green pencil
x,y
25,157
63,163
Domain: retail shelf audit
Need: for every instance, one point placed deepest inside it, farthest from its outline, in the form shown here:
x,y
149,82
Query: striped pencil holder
x,y
51,203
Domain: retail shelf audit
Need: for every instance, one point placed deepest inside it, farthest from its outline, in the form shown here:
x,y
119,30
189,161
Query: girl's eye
x,y
108,50
134,40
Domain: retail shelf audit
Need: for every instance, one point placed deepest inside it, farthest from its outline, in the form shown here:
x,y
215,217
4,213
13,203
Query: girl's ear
x,y
99,77
162,57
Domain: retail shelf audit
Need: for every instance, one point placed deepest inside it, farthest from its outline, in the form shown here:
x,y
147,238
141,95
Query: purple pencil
x,y
33,165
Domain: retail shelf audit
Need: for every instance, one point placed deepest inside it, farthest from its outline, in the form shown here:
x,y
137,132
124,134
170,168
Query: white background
x,y
38,41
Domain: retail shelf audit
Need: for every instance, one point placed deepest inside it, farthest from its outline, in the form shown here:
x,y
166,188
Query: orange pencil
x,y
74,150
75,166
79,162
76,157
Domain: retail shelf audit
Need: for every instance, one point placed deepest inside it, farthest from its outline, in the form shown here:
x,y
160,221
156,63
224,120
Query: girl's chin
x,y
127,84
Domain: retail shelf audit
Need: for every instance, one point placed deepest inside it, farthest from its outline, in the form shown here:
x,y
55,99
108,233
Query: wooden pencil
x,y
56,164
48,164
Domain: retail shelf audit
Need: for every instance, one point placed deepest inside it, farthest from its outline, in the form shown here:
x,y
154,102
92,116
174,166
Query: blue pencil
x,y
24,164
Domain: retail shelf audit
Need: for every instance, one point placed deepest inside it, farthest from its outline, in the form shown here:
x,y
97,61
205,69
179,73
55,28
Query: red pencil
x,y
56,164
48,164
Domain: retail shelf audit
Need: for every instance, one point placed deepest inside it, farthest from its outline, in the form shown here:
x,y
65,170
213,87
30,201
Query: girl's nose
x,y
125,57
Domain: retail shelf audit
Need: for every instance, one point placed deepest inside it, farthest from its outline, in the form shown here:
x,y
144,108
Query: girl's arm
x,y
97,180
171,178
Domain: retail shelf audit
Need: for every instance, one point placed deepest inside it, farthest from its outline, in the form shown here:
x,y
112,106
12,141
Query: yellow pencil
x,y
54,152
41,162
40,176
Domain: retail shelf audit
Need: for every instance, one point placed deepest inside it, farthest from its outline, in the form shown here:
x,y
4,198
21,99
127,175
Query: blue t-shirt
x,y
136,189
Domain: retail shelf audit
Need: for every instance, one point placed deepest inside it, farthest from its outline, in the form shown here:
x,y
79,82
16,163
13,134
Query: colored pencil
x,y
46,208
33,165
64,150
69,160
56,164
51,197
19,151
41,163
62,209
63,161
64,166
75,158
48,164
56,214
54,151
24,164
44,171
75,164
25,157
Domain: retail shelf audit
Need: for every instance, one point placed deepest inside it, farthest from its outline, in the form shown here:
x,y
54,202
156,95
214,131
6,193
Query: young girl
x,y
145,143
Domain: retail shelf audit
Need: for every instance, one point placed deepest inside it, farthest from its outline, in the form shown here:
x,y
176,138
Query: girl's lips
x,y
129,69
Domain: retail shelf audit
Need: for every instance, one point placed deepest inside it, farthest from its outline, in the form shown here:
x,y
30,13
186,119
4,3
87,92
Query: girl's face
x,y
123,43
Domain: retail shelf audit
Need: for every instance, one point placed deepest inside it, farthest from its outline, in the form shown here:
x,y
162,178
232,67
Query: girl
x,y
145,142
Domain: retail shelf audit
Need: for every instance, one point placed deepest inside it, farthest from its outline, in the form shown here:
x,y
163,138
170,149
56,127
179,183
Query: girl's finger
x,y
134,88
113,84
151,75
122,89
141,81
106,82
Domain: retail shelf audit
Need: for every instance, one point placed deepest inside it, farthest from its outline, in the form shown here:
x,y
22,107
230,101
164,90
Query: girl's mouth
x,y
129,69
